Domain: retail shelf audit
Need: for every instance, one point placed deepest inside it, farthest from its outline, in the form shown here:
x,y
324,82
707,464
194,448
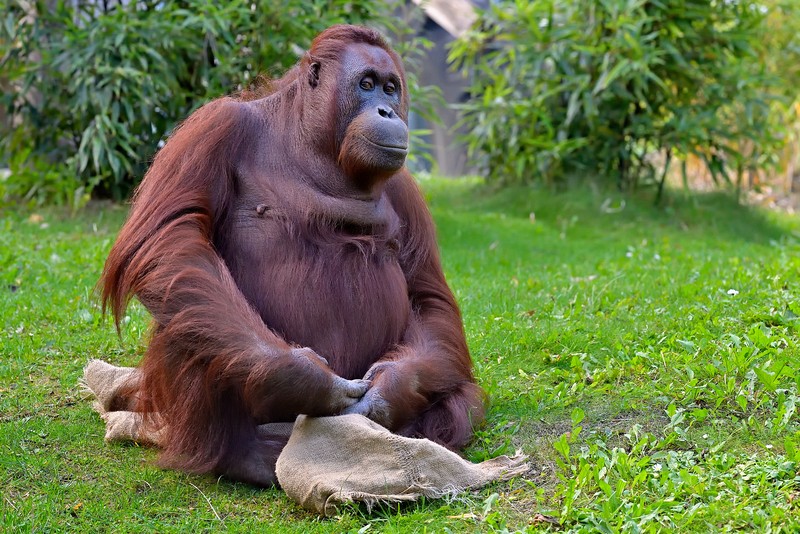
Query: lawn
x,y
646,359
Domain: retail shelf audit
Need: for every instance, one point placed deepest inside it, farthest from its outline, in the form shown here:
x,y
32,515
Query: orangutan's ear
x,y
313,73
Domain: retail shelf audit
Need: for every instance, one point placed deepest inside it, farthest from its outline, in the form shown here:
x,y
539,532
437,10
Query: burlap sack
x,y
328,460
103,381
349,458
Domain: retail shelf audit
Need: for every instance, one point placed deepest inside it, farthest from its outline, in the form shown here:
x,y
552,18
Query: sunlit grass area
x,y
646,358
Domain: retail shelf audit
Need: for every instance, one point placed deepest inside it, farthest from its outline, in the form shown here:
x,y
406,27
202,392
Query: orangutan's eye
x,y
367,84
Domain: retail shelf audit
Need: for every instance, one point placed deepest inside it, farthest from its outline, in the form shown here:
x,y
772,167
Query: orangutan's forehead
x,y
358,57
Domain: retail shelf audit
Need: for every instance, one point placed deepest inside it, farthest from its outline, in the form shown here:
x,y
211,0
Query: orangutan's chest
x,y
342,294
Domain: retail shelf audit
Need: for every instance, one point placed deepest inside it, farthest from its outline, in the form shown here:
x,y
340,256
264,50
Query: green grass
x,y
645,358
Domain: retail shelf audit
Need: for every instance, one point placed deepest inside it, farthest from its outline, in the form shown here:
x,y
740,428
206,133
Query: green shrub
x,y
94,90
572,89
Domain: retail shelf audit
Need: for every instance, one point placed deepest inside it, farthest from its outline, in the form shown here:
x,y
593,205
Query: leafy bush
x,y
94,87
579,88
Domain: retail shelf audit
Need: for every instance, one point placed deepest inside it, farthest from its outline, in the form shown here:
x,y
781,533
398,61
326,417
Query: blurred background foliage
x,y
621,90
629,92
90,89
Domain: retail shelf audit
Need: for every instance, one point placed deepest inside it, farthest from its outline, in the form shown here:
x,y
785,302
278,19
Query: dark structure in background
x,y
444,21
